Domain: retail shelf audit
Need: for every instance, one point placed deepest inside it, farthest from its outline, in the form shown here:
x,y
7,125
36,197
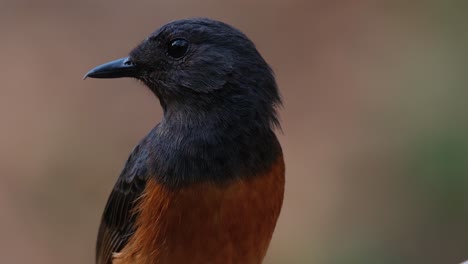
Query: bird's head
x,y
201,65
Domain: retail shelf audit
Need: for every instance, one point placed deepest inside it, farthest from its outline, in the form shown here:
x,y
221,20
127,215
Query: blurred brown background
x,y
375,123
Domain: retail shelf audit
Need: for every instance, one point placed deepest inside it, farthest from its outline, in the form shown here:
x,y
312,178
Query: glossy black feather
x,y
117,224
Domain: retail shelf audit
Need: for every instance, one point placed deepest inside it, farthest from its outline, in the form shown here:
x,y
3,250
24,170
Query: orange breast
x,y
207,223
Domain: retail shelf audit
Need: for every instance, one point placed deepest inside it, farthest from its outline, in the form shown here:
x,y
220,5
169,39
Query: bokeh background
x,y
375,123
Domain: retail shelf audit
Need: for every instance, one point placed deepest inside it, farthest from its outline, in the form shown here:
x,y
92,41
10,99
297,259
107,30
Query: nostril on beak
x,y
128,62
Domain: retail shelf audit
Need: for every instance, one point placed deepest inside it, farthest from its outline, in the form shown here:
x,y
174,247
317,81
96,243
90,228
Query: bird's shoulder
x,y
118,219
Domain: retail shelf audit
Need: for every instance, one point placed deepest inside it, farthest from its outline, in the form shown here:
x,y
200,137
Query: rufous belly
x,y
207,222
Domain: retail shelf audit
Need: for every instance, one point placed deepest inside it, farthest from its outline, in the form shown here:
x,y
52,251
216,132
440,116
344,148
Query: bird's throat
x,y
186,150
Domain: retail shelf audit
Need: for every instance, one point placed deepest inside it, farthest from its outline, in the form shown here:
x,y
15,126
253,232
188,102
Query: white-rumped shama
x,y
206,184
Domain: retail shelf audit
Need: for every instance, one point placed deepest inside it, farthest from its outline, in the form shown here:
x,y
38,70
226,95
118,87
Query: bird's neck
x,y
192,146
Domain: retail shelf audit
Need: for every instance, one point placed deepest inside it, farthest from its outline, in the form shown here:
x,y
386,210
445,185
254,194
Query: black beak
x,y
123,67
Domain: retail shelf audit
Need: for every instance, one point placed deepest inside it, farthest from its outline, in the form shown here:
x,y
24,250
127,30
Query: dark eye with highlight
x,y
177,48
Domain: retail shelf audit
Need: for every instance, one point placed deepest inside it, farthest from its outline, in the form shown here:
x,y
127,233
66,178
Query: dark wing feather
x,y
117,224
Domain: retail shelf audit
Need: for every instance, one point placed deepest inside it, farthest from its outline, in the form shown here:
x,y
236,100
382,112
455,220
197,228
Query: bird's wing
x,y
117,224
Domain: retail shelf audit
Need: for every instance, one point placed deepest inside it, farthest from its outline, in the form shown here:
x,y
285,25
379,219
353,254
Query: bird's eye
x,y
177,48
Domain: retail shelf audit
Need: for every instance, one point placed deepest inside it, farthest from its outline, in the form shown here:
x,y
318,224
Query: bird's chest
x,y
206,222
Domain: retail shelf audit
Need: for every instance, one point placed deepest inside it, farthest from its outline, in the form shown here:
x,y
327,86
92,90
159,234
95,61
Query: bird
x,y
206,184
